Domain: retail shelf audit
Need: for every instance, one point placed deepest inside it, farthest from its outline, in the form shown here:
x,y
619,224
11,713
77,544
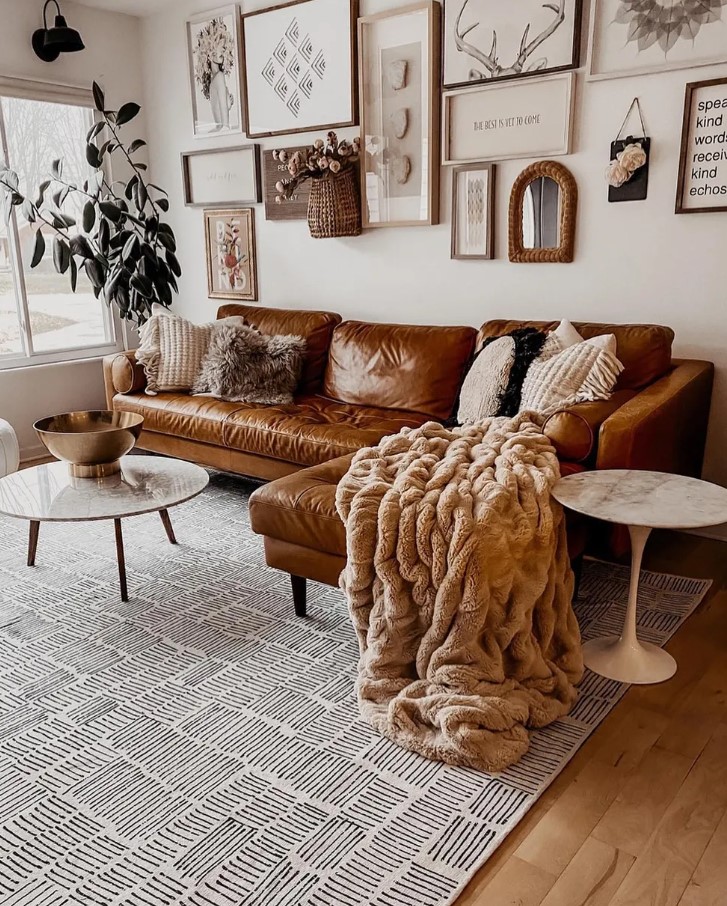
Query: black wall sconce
x,y
50,43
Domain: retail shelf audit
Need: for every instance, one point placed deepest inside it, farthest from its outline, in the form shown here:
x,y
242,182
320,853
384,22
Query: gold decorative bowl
x,y
92,443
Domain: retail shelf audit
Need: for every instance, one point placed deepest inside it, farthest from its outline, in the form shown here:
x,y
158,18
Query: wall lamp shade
x,y
50,43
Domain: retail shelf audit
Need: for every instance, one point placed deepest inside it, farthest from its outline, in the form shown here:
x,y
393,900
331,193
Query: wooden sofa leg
x,y
299,589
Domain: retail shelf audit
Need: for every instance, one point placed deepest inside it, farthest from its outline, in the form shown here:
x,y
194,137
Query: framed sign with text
x,y
531,118
702,184
293,208
222,176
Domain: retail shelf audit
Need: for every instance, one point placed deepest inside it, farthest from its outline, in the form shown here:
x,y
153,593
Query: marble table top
x,y
48,493
650,499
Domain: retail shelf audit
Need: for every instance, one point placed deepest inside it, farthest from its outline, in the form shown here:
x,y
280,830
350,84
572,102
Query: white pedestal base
x,y
617,659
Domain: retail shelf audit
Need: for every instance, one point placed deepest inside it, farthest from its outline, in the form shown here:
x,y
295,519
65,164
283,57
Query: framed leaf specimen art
x,y
231,265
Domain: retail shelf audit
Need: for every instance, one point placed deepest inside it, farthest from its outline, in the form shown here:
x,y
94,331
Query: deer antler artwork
x,y
491,62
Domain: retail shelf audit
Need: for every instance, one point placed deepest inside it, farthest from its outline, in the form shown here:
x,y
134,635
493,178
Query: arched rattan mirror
x,y
543,206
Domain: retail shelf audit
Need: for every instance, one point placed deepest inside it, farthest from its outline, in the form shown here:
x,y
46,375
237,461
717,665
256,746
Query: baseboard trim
x,y
29,455
713,533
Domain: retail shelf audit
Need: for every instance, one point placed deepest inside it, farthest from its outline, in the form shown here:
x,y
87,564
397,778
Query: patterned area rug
x,y
200,745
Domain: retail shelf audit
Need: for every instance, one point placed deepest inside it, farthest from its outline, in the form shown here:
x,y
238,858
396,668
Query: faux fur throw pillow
x,y
243,365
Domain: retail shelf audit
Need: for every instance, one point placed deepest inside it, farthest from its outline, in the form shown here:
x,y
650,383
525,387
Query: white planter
x,y
9,450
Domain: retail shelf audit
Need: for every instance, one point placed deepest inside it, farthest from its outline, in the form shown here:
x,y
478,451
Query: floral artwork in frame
x,y
231,265
213,45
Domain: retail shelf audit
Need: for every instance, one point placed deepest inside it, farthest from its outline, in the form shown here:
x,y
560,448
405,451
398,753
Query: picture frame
x,y
627,39
485,41
300,73
703,156
522,118
230,250
294,208
399,78
222,176
473,212
215,84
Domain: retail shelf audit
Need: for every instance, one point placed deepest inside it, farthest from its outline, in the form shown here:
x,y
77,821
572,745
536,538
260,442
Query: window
x,y
41,319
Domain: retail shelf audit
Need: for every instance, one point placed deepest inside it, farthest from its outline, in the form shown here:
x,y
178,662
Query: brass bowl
x,y
92,443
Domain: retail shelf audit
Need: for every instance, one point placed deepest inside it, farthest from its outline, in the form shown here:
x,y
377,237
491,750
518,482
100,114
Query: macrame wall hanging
x,y
628,173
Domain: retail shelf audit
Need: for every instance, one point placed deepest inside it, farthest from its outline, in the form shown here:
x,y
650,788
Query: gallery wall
x,y
112,57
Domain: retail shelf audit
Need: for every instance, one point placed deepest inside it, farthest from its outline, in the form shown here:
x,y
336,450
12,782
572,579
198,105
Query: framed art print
x,y
501,122
702,184
231,265
300,72
490,40
634,37
399,69
222,176
293,208
473,220
213,48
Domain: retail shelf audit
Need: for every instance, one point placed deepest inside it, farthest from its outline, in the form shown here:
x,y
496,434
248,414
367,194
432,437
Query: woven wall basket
x,y
334,208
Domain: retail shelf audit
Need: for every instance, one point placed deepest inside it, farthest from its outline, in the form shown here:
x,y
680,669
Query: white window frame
x,y
78,97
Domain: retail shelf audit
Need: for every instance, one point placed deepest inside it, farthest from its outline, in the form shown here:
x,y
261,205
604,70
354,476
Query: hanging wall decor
x,y
213,47
473,220
702,185
300,67
231,266
489,40
222,176
628,172
277,206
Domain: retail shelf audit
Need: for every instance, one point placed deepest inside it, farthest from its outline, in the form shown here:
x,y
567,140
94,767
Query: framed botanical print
x,y
213,48
634,37
399,74
300,72
702,185
473,220
229,176
231,265
491,40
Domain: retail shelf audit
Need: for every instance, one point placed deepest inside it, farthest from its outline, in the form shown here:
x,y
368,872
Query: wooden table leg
x,y
33,542
167,523
121,560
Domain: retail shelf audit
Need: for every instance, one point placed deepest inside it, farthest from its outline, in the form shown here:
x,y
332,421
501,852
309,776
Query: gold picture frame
x,y
230,234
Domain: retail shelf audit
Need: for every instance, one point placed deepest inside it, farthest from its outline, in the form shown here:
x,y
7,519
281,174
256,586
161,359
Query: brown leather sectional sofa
x,y
362,381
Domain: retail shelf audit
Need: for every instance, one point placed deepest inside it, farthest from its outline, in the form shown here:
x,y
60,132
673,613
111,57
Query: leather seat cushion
x,y
312,430
301,508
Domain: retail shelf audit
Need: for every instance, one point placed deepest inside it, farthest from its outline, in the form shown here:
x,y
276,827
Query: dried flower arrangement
x,y
627,162
324,160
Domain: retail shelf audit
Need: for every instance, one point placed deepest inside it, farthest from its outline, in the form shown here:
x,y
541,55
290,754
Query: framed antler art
x,y
489,40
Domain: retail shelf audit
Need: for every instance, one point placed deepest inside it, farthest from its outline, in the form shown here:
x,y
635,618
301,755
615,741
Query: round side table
x,y
642,501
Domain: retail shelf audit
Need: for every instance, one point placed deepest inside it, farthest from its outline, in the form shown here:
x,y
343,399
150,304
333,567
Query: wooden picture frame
x,y
204,172
484,220
226,280
459,37
270,59
694,172
522,118
563,253
294,208
397,156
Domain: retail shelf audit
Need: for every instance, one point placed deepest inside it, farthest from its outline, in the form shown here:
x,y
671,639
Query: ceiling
x,y
132,7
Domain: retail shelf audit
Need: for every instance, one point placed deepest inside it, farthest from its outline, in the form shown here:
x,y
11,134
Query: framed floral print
x,y
300,67
231,264
635,37
491,40
213,47
473,218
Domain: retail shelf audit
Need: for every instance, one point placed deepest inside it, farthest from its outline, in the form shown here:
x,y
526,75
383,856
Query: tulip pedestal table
x,y
642,501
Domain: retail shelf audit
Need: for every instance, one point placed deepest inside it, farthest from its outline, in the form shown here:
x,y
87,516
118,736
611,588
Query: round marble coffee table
x,y
642,501
145,484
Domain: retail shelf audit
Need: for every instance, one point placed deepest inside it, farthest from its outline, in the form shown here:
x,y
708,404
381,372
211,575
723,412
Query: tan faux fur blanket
x,y
460,589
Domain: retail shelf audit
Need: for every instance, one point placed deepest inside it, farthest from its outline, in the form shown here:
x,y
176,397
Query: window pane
x,y
38,133
10,339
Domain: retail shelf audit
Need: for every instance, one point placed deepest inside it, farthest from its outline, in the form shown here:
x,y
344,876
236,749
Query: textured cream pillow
x,y
486,381
171,351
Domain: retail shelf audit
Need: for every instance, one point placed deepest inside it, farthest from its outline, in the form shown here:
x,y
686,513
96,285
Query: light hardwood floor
x,y
639,816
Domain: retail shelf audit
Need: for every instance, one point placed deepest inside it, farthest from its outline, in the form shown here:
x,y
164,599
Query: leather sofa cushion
x,y
574,431
316,327
312,430
396,366
644,349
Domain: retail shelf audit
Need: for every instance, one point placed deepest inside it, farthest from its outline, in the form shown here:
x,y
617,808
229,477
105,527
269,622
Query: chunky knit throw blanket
x,y
460,589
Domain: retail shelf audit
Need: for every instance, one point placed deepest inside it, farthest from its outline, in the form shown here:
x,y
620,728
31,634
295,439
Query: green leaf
x,y
74,275
89,216
163,204
98,97
174,264
158,188
95,274
103,236
93,156
142,196
56,169
129,190
61,255
27,209
81,246
42,189
167,241
136,144
111,210
94,131
129,247
38,249
141,166
142,285
127,113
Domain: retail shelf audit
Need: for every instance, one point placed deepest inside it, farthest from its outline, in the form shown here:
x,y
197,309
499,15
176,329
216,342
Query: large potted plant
x,y
334,206
122,242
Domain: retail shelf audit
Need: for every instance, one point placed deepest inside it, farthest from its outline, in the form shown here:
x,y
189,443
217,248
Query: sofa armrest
x,y
664,427
122,374
574,431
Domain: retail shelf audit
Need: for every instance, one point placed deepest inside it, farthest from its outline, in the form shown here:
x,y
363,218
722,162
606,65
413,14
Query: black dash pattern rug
x,y
200,745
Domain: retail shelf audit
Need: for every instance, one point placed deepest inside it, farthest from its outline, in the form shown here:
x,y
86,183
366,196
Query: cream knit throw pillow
x,y
171,351
486,381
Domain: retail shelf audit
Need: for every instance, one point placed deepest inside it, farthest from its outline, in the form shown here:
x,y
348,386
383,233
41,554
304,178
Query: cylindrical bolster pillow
x,y
570,434
127,375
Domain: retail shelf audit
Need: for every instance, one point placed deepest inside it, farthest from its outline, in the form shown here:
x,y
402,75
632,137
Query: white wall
x,y
112,58
635,262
